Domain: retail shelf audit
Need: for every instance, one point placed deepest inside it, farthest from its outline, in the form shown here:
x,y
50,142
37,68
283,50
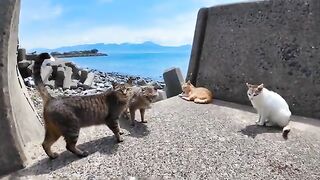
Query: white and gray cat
x,y
273,110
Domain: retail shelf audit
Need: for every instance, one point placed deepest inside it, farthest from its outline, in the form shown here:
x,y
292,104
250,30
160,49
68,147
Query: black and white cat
x,y
273,110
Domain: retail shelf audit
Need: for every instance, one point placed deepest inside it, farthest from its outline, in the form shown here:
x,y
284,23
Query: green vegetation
x,y
92,52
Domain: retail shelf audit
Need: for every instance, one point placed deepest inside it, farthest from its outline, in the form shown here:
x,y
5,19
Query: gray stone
x,y
88,82
29,82
46,72
83,75
75,70
74,84
23,68
161,95
272,42
67,81
60,77
173,79
156,85
23,64
21,54
141,82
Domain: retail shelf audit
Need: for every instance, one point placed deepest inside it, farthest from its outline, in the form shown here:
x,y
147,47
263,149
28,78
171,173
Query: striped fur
x,y
64,116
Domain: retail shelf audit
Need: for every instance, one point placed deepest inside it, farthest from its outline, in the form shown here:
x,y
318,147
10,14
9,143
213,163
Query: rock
x,y
23,68
100,85
24,64
67,78
88,82
141,82
156,85
21,54
29,81
75,70
74,84
46,72
83,75
161,95
173,79
59,77
89,92
50,84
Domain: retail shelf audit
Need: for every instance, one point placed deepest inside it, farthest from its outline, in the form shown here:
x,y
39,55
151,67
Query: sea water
x,y
150,65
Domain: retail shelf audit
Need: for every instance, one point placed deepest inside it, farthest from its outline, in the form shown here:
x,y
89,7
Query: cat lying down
x,y
199,95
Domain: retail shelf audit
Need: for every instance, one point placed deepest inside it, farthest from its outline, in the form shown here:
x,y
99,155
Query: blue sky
x,y
56,23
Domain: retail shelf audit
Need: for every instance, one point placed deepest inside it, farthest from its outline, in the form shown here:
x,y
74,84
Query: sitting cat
x,y
197,94
273,110
64,116
139,98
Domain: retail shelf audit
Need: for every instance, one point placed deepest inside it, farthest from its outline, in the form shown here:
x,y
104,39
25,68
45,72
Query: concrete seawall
x,y
18,122
272,42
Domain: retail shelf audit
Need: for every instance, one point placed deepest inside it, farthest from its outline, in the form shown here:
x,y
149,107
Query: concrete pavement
x,y
187,140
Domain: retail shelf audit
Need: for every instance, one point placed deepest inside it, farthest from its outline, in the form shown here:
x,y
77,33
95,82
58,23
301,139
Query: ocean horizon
x,y
147,65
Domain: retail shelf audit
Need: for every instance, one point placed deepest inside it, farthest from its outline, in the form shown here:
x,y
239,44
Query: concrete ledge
x,y
187,140
273,42
18,122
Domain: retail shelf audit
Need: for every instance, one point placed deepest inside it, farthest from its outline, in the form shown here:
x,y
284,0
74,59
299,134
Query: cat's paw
x,y
259,123
53,155
185,98
269,124
119,140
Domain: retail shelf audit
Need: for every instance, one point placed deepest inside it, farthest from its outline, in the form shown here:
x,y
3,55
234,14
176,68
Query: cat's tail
x,y
37,76
285,123
285,131
202,101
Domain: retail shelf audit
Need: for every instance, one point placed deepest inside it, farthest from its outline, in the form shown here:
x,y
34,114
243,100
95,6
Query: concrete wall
x,y
272,42
18,122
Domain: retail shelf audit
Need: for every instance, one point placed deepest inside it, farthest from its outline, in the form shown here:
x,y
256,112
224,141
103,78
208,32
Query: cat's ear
x,y
248,85
129,81
260,87
188,82
114,84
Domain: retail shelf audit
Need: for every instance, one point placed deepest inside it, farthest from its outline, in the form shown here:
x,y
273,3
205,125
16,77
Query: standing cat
x,y
197,94
64,116
139,98
273,110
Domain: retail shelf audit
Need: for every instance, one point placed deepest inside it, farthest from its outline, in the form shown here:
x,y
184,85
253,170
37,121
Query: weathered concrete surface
x,y
173,79
273,42
18,122
213,141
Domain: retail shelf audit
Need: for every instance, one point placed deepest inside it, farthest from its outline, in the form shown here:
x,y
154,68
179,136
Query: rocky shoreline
x,y
63,78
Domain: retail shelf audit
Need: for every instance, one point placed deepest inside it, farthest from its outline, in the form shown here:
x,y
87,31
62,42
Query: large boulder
x,y
173,79
88,82
67,81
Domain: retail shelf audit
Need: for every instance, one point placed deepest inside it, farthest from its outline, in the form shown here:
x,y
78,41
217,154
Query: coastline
x,y
79,55
101,82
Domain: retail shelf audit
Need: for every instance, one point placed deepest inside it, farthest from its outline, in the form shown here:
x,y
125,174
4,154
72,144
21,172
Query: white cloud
x,y
37,10
178,30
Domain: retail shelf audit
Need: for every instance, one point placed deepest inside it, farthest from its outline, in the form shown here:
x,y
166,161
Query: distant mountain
x,y
119,48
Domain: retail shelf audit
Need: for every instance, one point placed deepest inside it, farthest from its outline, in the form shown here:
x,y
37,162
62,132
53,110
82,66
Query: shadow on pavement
x,y
253,130
139,130
105,145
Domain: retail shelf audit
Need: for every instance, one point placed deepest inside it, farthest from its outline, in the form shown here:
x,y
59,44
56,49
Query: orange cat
x,y
197,94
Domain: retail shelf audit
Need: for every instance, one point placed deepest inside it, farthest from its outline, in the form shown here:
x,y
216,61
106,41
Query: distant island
x,y
83,53
146,47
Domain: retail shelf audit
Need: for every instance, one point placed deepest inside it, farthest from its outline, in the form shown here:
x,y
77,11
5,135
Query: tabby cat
x,y
64,116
